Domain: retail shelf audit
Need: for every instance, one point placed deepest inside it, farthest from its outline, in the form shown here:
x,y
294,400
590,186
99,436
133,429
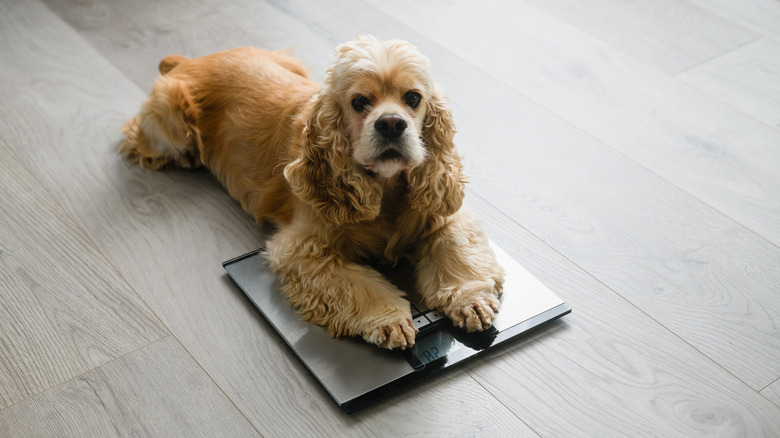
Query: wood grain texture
x,y
772,392
150,31
760,15
704,277
668,34
608,369
155,391
452,404
705,147
747,78
581,199
167,234
63,308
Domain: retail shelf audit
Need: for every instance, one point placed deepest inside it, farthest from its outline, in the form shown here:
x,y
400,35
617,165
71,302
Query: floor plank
x,y
668,34
452,404
706,278
772,392
167,234
747,78
582,200
760,15
63,308
608,369
155,391
149,31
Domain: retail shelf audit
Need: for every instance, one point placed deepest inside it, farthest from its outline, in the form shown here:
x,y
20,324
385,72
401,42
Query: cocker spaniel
x,y
361,167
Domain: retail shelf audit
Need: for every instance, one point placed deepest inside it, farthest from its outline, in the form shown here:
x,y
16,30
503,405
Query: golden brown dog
x,y
362,167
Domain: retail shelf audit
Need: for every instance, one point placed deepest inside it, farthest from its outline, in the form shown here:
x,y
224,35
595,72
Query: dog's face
x,y
384,90
377,114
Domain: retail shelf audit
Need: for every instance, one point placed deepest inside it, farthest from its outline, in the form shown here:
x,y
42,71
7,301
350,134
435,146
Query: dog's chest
x,y
391,234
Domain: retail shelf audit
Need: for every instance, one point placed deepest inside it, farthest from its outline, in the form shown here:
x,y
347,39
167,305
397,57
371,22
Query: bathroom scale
x,y
356,373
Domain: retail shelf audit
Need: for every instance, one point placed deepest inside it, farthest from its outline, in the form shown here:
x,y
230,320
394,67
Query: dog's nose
x,y
390,126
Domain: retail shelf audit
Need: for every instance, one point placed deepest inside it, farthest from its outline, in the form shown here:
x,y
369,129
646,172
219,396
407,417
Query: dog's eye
x,y
360,103
412,98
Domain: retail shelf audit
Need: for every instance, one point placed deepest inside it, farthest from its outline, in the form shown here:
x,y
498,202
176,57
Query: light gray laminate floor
x,y
626,152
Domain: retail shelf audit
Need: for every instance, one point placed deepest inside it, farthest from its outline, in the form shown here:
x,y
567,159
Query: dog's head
x,y
378,115
382,87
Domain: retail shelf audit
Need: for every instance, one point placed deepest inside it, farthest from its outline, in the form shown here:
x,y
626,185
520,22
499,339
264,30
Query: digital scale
x,y
356,373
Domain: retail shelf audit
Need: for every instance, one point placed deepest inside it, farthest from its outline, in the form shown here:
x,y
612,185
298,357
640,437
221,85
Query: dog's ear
x,y
325,175
437,186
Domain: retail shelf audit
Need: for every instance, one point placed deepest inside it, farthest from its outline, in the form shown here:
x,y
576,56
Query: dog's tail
x,y
169,62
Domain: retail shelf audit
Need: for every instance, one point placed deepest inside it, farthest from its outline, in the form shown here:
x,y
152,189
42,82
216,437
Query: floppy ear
x,y
325,175
437,186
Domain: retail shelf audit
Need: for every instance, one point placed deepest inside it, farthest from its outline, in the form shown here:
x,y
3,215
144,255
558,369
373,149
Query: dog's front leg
x,y
348,298
457,273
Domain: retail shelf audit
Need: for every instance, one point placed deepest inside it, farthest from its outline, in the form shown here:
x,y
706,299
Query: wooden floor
x,y
626,152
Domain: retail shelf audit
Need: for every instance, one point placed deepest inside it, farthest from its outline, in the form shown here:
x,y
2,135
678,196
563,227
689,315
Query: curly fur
x,y
340,186
325,176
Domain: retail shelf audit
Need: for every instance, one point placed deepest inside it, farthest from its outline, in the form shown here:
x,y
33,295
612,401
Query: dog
x,y
362,167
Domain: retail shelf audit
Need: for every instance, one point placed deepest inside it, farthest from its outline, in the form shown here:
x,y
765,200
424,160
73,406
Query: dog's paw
x,y
397,334
135,156
153,163
474,314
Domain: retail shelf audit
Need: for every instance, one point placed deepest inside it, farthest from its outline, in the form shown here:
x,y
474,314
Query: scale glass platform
x,y
356,373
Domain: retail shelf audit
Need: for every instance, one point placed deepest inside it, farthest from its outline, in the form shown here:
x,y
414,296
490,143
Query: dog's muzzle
x,y
392,145
390,126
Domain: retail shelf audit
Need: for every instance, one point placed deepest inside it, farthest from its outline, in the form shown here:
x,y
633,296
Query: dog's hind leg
x,y
165,130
